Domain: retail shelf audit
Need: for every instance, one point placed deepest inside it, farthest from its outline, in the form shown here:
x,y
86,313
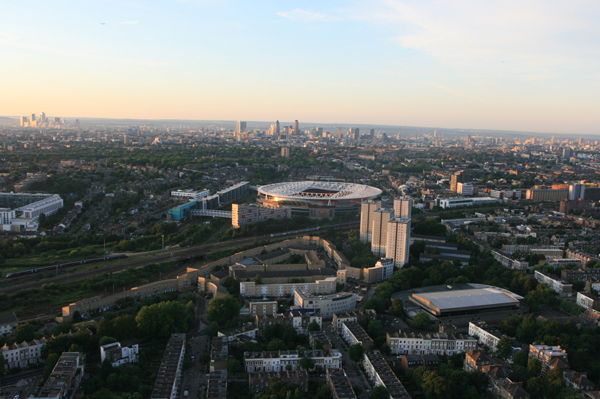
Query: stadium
x,y
303,195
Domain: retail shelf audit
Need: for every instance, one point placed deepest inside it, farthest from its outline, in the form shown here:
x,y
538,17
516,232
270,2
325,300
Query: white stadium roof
x,y
468,298
319,190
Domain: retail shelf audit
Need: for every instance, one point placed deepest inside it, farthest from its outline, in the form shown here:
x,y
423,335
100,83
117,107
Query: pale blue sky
x,y
513,64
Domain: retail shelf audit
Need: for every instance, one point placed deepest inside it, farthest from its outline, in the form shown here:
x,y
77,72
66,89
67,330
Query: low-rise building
x,y
8,322
339,384
580,275
326,285
587,301
257,362
339,318
353,334
414,342
119,355
216,385
551,357
485,335
260,382
168,377
219,353
65,377
380,373
327,305
262,307
410,361
24,354
562,289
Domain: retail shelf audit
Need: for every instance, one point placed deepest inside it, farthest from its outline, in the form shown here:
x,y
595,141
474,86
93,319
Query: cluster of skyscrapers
x,y
41,120
387,230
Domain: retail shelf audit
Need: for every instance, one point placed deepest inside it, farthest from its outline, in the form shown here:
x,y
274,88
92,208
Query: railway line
x,y
15,284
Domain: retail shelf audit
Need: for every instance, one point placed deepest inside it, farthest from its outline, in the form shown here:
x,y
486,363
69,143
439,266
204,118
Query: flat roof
x,y
463,299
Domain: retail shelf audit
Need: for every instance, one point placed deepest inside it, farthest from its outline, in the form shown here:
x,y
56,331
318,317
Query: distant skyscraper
x,y
379,231
277,129
398,240
285,152
367,209
296,127
240,126
455,179
403,207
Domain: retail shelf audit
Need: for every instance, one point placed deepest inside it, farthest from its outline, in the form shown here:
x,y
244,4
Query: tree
x,y
421,322
223,310
162,319
379,392
434,384
504,347
314,326
306,363
356,352
2,367
397,308
106,340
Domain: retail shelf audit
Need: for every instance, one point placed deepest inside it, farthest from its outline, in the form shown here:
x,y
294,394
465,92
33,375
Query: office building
x,y
64,379
367,210
191,194
547,194
243,214
403,207
380,221
168,377
458,202
465,188
326,305
240,127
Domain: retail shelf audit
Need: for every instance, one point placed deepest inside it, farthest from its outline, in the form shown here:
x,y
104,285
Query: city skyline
x,y
517,66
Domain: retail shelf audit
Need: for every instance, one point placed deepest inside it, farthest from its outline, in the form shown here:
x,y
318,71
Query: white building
x,y
379,231
484,335
459,202
290,360
24,354
367,209
278,290
119,355
191,194
418,343
586,301
49,205
562,289
383,269
398,240
8,322
353,333
327,305
465,188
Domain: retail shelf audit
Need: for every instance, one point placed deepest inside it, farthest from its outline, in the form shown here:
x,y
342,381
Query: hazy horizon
x,y
512,66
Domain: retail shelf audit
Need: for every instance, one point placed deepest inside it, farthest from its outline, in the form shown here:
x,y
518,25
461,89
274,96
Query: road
x,y
8,286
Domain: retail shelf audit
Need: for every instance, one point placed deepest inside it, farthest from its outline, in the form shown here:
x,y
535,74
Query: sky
x,y
530,65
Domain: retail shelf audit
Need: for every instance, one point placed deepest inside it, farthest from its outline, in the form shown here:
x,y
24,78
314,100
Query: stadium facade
x,y
302,196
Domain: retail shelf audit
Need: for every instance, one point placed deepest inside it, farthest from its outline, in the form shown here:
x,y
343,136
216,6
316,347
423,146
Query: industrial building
x,y
460,301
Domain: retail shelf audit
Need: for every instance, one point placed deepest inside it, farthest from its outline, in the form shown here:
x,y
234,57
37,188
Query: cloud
x,y
298,14
533,38
130,22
